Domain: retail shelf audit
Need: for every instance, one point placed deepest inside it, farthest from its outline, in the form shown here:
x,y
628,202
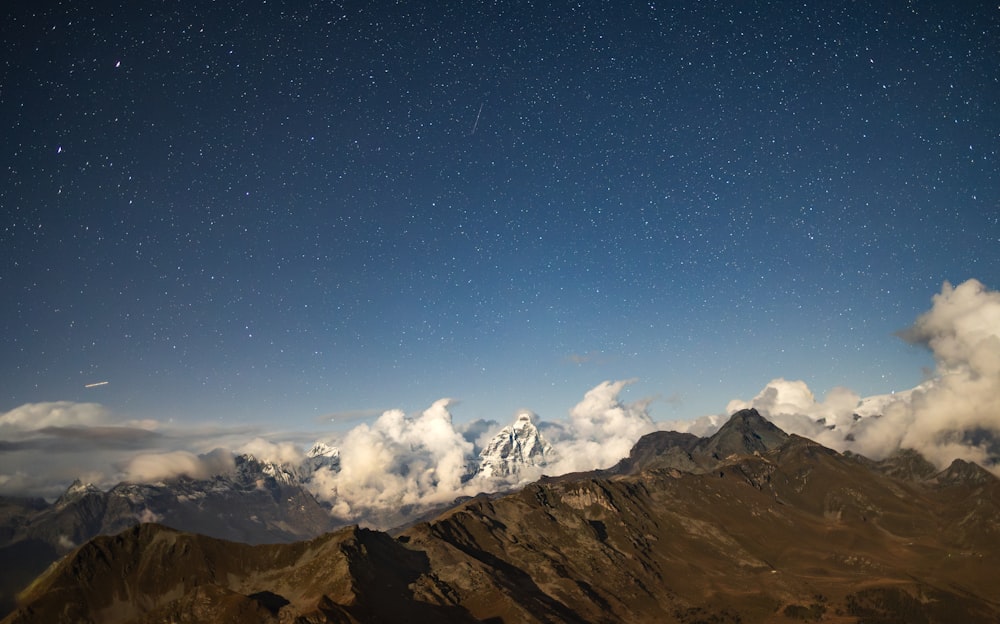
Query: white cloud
x,y
274,452
601,430
397,461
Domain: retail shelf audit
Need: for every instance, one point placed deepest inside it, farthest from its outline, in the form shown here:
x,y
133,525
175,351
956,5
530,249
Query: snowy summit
x,y
516,447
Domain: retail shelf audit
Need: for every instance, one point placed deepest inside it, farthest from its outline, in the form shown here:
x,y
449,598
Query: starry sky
x,y
286,212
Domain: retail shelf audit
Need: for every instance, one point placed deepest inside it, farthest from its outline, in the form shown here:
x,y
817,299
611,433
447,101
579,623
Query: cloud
x,y
956,414
601,429
397,462
32,417
481,431
155,467
402,463
792,406
46,446
274,452
148,515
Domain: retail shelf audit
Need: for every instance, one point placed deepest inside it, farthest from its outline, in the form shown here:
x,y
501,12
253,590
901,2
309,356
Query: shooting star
x,y
476,125
94,385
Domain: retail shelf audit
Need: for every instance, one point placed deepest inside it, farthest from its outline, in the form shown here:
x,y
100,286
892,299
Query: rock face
x,y
760,527
516,447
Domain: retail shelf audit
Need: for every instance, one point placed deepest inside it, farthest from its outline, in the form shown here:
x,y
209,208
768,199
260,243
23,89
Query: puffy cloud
x,y
601,430
48,445
401,464
792,406
397,462
958,415
962,329
701,426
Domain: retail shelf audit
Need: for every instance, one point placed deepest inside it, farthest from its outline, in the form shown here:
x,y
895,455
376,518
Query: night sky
x,y
282,212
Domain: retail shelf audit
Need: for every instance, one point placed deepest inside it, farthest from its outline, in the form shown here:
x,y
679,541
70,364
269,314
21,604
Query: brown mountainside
x,y
774,528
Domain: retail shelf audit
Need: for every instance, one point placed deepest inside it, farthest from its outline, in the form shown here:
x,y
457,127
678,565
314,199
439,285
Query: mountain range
x,y
256,502
747,525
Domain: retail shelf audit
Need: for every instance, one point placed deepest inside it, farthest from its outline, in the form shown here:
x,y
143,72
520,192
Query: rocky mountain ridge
x,y
748,525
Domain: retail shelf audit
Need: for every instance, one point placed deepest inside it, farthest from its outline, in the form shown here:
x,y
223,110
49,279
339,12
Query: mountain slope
x,y
151,573
765,527
258,503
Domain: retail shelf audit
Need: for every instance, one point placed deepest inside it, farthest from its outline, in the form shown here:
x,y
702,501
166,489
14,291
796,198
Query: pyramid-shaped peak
x,y
79,488
515,447
746,432
749,417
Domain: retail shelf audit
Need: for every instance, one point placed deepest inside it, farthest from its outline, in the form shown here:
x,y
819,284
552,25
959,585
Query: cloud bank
x,y
156,467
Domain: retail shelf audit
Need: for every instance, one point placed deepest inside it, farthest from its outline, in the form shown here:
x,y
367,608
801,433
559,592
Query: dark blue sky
x,y
259,211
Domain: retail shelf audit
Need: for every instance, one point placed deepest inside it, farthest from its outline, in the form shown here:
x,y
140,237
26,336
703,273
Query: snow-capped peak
x,y
251,469
322,449
516,447
76,491
321,455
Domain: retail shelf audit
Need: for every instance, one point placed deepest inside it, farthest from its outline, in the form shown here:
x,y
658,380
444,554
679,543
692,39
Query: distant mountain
x,y
321,455
260,502
515,448
748,525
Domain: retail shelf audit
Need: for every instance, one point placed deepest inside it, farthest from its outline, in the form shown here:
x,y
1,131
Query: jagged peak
x,y
81,487
77,490
322,449
516,446
961,471
250,467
